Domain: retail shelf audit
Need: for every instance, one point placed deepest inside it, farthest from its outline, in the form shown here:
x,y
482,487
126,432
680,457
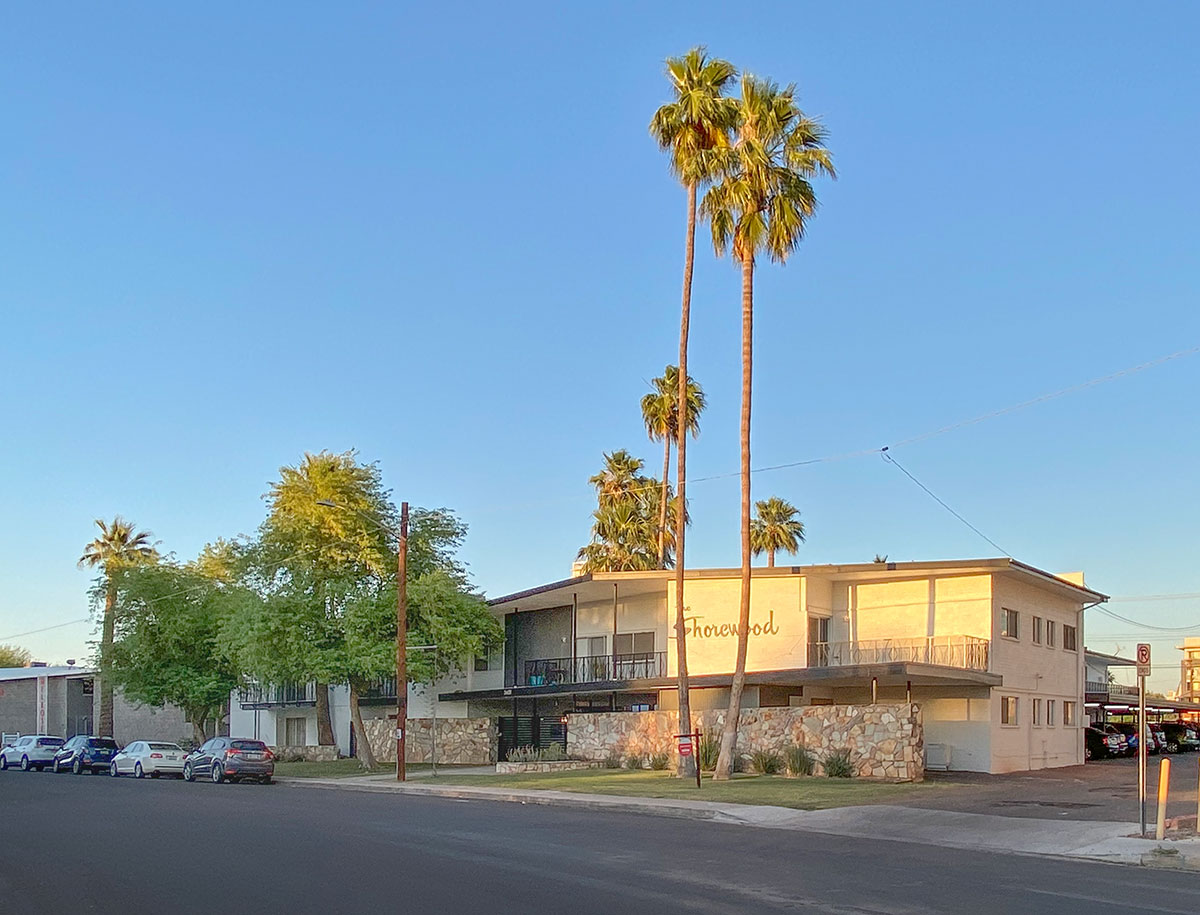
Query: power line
x,y
891,460
1124,619
86,619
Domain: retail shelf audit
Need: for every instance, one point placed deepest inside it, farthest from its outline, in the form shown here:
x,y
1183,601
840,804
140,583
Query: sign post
x,y
686,744
1143,671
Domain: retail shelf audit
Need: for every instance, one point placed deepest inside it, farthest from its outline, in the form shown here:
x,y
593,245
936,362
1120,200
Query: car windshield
x,y
249,745
103,743
164,746
50,742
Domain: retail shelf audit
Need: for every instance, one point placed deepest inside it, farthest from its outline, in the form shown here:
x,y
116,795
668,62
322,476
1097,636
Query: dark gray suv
x,y
225,759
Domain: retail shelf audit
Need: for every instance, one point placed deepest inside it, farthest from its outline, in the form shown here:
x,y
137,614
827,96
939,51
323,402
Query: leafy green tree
x,y
660,412
760,205
326,574
167,646
697,121
625,533
776,527
14,656
119,547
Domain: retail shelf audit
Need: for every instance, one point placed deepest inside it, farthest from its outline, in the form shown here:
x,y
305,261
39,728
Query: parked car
x,y
1179,737
1160,740
85,754
1099,745
230,759
148,757
34,751
1130,731
1127,744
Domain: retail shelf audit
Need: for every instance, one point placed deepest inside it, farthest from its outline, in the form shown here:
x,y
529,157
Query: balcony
x,y
380,691
602,668
962,651
298,694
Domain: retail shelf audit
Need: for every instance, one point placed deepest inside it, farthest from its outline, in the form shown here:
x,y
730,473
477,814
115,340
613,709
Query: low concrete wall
x,y
558,765
460,741
885,740
306,754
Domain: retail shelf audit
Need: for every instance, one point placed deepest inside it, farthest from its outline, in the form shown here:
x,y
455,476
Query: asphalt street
x,y
97,844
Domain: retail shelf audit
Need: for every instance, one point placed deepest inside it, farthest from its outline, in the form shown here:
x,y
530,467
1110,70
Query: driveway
x,y
1101,790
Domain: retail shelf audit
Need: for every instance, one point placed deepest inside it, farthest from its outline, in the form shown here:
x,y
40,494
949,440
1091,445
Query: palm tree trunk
x,y
770,557
729,734
687,764
362,746
662,504
324,721
104,720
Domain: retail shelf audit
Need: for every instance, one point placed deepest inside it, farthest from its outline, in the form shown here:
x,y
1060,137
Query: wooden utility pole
x,y
402,642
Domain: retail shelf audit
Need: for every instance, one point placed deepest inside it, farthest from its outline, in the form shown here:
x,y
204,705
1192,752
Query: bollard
x,y
1164,781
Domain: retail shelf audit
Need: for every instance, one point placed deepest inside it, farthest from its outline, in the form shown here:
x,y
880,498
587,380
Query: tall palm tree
x,y
761,204
660,409
119,546
695,122
625,535
775,527
621,473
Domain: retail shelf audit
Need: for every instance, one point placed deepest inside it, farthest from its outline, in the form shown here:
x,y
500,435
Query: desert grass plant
x,y
838,764
707,751
635,761
766,762
799,760
660,761
552,753
613,760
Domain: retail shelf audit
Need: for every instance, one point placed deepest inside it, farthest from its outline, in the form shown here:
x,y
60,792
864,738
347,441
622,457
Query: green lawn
x,y
345,768
812,793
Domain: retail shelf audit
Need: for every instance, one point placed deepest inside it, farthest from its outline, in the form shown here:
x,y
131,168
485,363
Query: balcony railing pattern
x,y
961,651
284,694
595,668
379,690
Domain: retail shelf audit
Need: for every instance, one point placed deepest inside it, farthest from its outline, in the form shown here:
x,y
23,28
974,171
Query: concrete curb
x,y
1100,841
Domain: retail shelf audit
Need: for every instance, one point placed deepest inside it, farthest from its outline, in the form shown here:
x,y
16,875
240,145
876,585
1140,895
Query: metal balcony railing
x,y
258,696
962,651
595,668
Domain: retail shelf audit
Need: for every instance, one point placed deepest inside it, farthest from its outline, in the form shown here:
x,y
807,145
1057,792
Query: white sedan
x,y
148,757
35,751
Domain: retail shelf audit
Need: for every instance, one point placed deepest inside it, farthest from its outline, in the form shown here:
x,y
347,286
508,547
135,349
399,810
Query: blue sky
x,y
443,237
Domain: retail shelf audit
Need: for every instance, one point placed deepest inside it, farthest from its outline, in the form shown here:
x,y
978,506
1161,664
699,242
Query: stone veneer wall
x,y
305,754
460,741
885,740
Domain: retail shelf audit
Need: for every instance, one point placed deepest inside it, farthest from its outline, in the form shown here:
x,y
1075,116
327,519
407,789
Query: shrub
x,y
552,753
522,755
765,762
660,761
799,760
708,751
613,760
838,764
635,761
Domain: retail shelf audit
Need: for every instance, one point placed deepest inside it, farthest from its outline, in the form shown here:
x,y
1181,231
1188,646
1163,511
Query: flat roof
x,y
539,596
32,673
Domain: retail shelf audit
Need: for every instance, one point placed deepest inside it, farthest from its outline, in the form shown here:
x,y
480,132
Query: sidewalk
x,y
1091,839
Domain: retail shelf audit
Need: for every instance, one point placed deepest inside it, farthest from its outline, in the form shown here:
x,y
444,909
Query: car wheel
x,y
112,769
54,767
77,766
1172,747
1087,753
188,774
265,780
3,762
24,763
217,774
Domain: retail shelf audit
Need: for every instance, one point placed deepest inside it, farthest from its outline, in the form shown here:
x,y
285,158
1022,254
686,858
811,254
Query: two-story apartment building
x,y
991,649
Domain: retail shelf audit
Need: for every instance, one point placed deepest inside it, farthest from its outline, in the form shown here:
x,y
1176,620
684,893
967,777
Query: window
x,y
1049,713
1037,712
1068,638
818,629
633,643
1011,624
590,646
1050,635
295,732
493,660
1068,714
1037,632
1008,710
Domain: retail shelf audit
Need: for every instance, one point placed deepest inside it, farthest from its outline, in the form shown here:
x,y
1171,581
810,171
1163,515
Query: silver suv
x,y
34,751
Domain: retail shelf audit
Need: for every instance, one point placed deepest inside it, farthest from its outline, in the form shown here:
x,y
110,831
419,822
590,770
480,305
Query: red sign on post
x,y
1143,660
685,746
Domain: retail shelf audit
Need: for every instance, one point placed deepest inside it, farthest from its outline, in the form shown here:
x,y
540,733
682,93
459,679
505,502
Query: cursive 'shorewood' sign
x,y
725,630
